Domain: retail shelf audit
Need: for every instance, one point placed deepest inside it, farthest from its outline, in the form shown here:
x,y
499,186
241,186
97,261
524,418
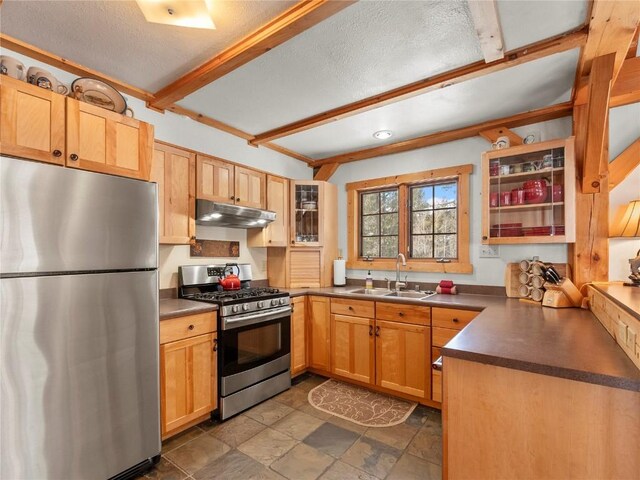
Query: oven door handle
x,y
238,321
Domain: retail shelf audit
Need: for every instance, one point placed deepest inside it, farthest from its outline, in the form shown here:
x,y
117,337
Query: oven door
x,y
253,347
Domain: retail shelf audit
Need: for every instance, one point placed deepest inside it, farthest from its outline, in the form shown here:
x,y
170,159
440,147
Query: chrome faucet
x,y
400,284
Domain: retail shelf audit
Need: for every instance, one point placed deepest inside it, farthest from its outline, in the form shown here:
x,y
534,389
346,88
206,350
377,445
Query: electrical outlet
x,y
489,251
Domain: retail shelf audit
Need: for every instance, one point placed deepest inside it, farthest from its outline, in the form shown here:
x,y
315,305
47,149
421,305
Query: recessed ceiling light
x,y
192,13
383,134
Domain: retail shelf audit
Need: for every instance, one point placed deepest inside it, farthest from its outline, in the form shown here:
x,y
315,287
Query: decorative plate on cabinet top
x,y
98,93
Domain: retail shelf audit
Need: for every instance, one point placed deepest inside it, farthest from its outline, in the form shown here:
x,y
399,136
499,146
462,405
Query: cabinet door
x,y
187,381
174,171
250,188
278,201
352,347
106,142
403,358
298,336
31,122
307,211
319,333
304,268
215,180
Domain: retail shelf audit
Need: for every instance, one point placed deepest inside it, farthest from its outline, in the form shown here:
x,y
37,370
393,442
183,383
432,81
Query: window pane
x,y
389,201
422,222
389,247
370,203
370,226
422,246
422,198
446,246
446,195
389,224
445,221
371,246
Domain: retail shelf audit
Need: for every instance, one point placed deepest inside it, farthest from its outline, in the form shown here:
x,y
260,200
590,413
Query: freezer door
x,y
79,375
55,219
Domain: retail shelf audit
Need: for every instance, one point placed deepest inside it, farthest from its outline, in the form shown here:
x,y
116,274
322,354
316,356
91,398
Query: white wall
x,y
624,129
188,133
487,271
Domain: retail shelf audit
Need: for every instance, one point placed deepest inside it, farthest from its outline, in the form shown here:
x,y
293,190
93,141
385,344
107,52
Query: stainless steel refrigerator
x,y
79,323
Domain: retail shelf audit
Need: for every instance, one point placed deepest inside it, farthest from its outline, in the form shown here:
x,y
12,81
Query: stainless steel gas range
x,y
254,335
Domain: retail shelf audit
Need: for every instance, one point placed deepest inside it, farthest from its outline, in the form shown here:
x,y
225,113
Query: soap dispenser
x,y
368,282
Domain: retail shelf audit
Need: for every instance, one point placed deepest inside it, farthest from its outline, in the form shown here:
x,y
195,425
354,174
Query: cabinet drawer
x,y
451,317
354,308
397,312
436,387
186,327
440,336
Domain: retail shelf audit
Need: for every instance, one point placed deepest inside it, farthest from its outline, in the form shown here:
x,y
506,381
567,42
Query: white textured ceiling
x,y
114,38
519,89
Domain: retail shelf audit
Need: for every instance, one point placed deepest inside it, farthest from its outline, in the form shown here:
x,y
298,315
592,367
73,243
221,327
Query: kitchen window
x,y
424,215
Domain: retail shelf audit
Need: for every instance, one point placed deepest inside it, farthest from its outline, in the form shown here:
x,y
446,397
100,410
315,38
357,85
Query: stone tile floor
x,y
286,438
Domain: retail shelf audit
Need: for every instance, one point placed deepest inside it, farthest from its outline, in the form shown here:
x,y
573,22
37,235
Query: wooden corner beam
x,y
325,172
512,58
287,25
526,118
595,164
487,24
493,134
624,91
624,164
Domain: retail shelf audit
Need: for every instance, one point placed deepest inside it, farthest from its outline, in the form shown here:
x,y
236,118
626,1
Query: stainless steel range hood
x,y
215,214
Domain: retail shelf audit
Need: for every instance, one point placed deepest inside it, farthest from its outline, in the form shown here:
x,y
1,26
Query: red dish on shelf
x,y
535,191
506,230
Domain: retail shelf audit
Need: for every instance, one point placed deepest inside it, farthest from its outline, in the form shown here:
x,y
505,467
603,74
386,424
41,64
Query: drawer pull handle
x,y
370,330
401,314
73,157
57,153
377,331
350,307
455,320
215,344
191,327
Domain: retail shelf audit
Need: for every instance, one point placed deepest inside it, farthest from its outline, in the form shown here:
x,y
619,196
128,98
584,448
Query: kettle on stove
x,y
231,281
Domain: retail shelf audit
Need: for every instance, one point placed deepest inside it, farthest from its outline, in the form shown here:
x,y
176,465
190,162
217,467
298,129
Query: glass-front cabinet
x,y
306,206
529,193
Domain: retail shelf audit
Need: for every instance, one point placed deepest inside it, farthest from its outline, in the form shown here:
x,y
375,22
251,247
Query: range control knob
x,y
235,308
260,304
245,307
283,301
274,302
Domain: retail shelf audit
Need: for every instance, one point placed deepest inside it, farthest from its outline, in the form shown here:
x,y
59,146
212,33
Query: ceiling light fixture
x,y
383,134
180,13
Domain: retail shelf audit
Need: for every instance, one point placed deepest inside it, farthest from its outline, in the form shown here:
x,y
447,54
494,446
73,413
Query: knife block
x,y
563,295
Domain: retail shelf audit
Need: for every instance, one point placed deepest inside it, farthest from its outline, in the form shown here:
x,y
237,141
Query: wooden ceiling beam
x,y
493,134
325,172
487,24
624,164
595,165
526,118
285,26
67,65
289,153
515,57
624,91
612,29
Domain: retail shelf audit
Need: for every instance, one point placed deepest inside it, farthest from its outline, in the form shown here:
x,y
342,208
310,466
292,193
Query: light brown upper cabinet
x,y
31,122
107,142
529,193
174,170
224,182
311,203
276,234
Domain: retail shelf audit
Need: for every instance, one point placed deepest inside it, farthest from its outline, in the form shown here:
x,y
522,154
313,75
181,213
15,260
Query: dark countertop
x,y
627,298
179,307
568,343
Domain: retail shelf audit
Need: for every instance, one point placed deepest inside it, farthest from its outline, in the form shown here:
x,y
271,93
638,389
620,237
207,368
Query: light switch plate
x,y
489,251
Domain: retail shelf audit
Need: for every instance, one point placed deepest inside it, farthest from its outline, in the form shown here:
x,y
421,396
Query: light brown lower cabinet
x,y
188,385
319,323
403,358
352,347
298,335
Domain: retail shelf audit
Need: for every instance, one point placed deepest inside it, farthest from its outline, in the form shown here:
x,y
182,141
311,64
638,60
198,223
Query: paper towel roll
x,y
339,273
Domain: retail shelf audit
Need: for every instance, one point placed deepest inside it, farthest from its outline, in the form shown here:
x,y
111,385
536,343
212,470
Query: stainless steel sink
x,y
409,294
370,291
